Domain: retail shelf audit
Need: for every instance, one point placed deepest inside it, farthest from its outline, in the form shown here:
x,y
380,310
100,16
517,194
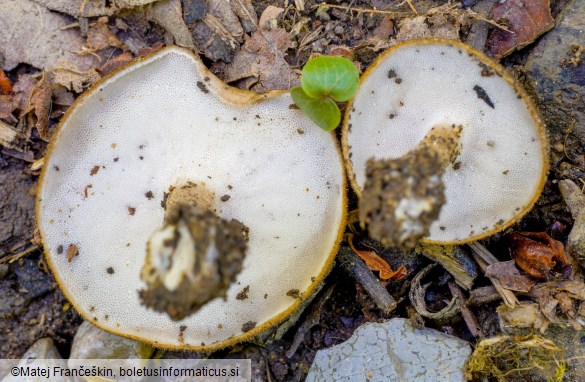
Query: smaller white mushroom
x,y
493,163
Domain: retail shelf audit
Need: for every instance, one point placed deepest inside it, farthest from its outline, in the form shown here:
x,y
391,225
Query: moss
x,y
507,358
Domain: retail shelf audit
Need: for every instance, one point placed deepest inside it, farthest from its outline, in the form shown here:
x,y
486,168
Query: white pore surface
x,y
501,162
164,130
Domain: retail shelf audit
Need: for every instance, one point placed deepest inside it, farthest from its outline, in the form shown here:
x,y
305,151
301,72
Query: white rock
x,y
392,351
41,354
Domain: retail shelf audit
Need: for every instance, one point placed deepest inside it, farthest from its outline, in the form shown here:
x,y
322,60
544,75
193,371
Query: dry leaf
x,y
99,36
527,315
32,34
115,63
444,21
5,85
262,58
540,255
169,15
245,11
525,20
7,105
222,11
91,8
40,105
81,8
509,276
559,294
23,89
269,18
70,78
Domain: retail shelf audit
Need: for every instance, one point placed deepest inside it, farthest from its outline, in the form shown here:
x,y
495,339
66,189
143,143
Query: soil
x,y
32,306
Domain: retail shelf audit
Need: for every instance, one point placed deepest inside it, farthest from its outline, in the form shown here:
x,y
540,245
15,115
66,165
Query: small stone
x,y
91,342
42,354
392,351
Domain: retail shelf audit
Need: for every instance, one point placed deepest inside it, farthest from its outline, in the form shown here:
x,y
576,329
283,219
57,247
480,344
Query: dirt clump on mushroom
x,y
402,197
194,258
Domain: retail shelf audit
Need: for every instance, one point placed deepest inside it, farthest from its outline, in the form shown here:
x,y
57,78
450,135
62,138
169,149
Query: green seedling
x,y
325,80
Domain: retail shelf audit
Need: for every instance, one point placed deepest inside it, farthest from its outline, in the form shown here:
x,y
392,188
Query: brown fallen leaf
x,y
540,255
559,294
245,11
39,106
5,85
225,20
7,105
169,15
445,21
525,21
150,49
378,264
23,90
99,36
72,79
509,276
262,59
115,63
32,34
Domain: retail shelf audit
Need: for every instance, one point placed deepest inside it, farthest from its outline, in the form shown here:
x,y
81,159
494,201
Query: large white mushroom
x,y
447,144
166,122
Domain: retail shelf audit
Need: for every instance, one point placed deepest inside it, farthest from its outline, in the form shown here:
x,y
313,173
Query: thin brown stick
x,y
360,10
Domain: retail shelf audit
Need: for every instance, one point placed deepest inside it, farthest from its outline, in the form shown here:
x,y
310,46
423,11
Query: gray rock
x,y
91,342
558,83
41,354
392,351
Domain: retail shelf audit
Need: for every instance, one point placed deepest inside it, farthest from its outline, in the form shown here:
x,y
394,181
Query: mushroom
x,y
442,145
165,132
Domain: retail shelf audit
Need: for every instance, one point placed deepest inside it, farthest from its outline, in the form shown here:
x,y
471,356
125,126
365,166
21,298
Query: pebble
x,y
42,354
392,351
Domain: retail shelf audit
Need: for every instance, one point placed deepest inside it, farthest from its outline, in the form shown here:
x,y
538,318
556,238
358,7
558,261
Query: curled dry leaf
x,y
525,21
540,255
417,297
5,85
39,106
378,264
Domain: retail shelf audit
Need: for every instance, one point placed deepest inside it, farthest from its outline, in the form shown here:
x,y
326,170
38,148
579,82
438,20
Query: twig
x,y
412,7
312,319
360,10
467,314
483,257
360,272
12,258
